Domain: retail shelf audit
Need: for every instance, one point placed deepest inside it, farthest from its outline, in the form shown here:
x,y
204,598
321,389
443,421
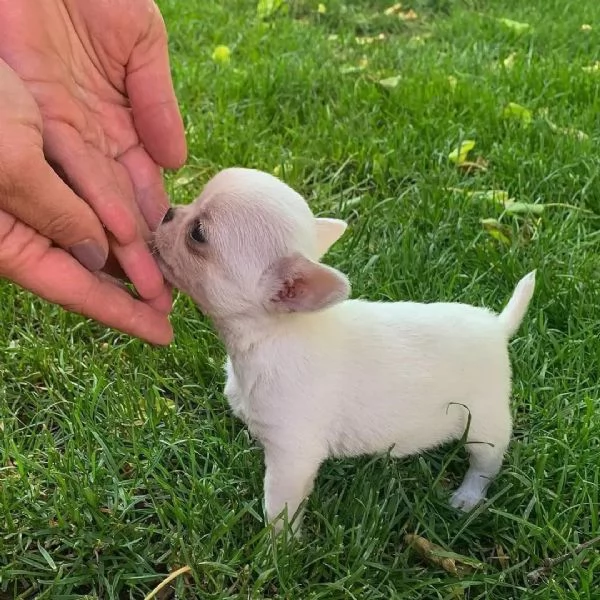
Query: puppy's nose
x,y
169,215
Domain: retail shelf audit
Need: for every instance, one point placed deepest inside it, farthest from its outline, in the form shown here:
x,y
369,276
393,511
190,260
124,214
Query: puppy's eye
x,y
197,232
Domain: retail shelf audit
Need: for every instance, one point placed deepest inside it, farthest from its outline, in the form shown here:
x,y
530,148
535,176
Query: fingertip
x,y
141,269
163,135
162,334
164,302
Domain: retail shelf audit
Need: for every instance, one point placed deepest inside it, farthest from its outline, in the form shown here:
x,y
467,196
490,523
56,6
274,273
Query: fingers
x,y
147,183
55,276
141,268
108,188
91,174
41,199
153,102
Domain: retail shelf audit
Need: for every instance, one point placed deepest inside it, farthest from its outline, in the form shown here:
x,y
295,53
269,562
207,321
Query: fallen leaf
x,y
515,26
517,112
333,37
459,155
576,133
502,557
361,66
571,131
409,15
586,27
497,230
221,54
497,196
394,9
469,166
282,168
267,8
450,562
523,208
390,82
367,39
593,68
186,179
452,82
509,61
321,9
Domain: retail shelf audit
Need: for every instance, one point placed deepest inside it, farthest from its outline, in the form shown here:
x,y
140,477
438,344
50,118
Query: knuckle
x,y
60,225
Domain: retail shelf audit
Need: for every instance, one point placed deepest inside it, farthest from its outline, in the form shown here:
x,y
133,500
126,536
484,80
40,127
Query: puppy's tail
x,y
515,310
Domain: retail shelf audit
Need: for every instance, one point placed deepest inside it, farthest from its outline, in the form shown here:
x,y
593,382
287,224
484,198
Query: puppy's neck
x,y
243,333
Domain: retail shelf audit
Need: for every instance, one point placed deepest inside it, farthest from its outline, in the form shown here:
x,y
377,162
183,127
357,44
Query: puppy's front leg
x,y
289,479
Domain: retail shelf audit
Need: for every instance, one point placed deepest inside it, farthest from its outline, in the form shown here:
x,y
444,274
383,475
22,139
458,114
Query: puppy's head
x,y
249,244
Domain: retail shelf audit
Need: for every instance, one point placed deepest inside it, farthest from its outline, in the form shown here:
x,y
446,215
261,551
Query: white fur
x,y
362,377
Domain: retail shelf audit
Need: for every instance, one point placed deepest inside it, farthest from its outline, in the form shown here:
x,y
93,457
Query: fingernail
x,y
89,254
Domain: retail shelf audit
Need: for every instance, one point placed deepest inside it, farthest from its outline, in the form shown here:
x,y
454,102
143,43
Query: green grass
x,y
120,462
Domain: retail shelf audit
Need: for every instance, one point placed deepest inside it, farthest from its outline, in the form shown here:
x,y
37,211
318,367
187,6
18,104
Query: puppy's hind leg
x,y
486,450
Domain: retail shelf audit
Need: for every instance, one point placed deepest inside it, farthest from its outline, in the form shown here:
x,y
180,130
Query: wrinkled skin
x,y
107,121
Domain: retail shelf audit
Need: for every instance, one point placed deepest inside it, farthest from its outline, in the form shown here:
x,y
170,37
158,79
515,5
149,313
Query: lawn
x,y
121,462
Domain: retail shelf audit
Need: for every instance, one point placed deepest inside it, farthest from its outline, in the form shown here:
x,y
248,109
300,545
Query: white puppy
x,y
314,375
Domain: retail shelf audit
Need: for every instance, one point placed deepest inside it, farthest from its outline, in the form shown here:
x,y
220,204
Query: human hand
x,y
99,72
36,206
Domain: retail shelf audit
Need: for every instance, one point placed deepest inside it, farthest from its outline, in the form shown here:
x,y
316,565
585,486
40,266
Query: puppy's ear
x,y
297,284
329,231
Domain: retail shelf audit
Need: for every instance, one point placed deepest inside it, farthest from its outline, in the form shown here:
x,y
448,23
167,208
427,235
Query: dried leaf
x,y
497,196
409,15
450,562
517,112
361,66
367,39
515,26
452,82
221,54
390,82
321,9
394,9
502,557
468,167
576,133
586,27
497,230
593,68
459,155
509,61
571,131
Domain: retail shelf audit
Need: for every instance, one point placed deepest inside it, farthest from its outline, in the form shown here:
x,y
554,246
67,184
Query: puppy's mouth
x,y
162,265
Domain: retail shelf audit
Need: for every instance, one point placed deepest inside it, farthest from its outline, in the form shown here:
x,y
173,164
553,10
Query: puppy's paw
x,y
466,499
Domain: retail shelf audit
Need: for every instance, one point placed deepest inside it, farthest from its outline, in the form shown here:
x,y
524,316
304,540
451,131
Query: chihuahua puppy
x,y
315,375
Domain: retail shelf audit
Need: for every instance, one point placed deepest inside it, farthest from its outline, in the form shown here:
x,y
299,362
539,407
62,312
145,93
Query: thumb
x,y
45,203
